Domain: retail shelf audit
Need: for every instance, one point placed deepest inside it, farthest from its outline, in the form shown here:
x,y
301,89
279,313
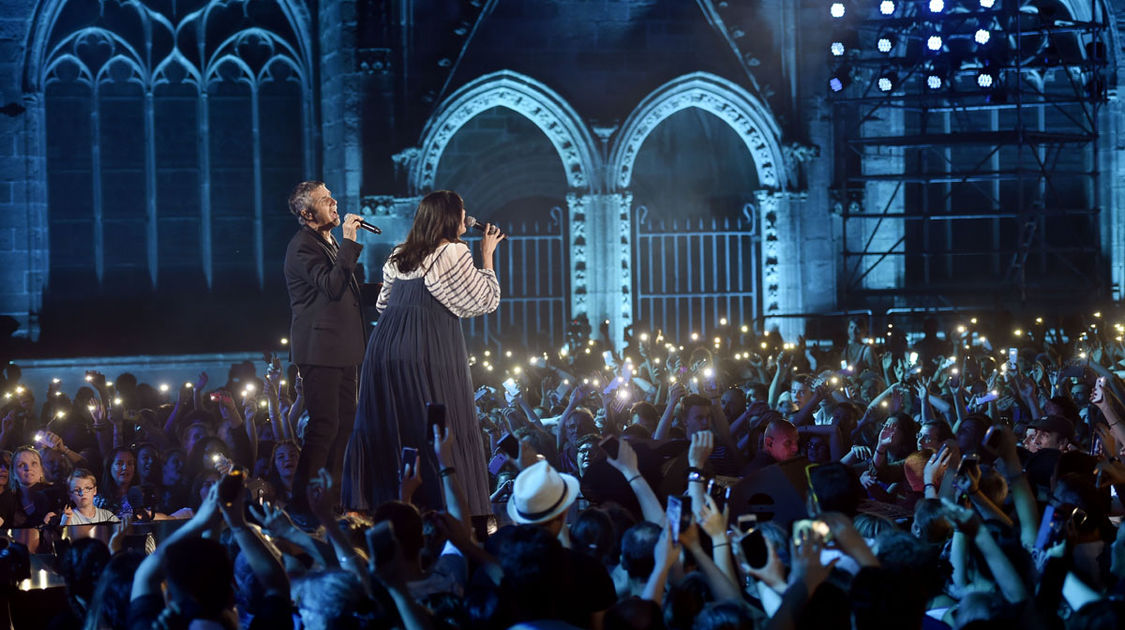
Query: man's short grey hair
x,y
301,197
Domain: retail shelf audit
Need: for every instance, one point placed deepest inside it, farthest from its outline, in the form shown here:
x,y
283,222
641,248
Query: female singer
x,y
416,355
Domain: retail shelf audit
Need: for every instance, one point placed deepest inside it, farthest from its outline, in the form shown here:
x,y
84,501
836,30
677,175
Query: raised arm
x,y
626,464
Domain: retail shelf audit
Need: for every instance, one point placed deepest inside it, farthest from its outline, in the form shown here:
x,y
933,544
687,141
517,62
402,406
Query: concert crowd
x,y
962,474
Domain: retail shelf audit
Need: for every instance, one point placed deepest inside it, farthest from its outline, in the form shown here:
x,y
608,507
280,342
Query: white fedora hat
x,y
541,493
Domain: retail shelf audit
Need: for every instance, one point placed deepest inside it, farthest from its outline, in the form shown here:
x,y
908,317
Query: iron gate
x,y
532,267
693,272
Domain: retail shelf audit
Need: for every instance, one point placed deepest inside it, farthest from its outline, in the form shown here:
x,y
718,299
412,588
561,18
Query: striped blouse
x,y
452,278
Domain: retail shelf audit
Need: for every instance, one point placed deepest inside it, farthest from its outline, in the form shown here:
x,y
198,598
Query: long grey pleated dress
x,y
416,355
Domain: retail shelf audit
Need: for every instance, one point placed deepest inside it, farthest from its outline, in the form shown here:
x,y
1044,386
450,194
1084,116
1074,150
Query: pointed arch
x,y
744,112
523,95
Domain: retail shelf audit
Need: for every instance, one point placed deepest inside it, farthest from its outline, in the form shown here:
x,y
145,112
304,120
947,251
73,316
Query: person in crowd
x,y
37,500
8,504
83,490
175,485
283,469
120,476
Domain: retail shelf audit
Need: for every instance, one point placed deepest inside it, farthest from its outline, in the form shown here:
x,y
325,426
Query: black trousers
x,y
330,398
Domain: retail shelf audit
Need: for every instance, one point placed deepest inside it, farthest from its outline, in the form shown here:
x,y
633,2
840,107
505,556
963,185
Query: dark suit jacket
x,y
327,327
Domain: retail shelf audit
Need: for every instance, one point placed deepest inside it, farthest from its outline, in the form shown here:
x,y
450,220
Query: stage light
x,y
837,9
885,43
837,49
934,42
985,79
987,4
887,82
982,36
937,6
840,79
933,81
886,7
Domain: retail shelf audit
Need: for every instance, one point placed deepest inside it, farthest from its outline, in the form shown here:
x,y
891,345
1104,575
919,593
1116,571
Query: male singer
x,y
326,337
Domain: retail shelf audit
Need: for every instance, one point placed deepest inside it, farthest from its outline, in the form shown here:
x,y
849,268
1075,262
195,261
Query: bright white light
x,y
937,6
884,44
885,84
987,4
934,42
984,80
837,49
886,7
982,36
933,82
837,9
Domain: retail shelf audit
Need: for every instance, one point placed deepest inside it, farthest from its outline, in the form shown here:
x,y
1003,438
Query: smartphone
x,y
511,390
675,513
607,357
1013,359
496,464
991,442
814,500
754,549
409,455
719,493
230,486
816,526
435,416
969,463
611,446
381,543
509,445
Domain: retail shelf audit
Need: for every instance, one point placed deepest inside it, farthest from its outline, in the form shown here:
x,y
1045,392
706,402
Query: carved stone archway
x,y
521,94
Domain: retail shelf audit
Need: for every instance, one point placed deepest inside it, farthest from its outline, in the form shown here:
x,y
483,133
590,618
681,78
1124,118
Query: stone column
x,y
601,260
341,102
393,215
798,261
24,248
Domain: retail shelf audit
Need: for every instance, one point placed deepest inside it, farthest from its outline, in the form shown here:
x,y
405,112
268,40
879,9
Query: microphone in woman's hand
x,y
471,222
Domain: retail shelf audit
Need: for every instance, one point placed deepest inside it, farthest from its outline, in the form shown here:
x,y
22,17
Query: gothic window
x,y
175,128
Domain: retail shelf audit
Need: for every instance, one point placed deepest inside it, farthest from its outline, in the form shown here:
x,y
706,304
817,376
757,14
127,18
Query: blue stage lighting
x,y
934,42
841,78
933,82
838,49
982,36
837,9
937,6
987,4
887,82
885,43
886,7
986,79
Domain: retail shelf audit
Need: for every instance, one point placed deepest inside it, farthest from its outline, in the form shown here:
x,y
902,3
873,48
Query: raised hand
x,y
490,240
411,478
702,445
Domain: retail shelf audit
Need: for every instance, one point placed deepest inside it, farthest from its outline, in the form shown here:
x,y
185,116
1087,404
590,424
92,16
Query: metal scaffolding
x,y
969,134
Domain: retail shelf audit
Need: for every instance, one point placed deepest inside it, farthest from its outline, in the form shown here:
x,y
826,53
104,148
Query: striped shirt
x,y
452,278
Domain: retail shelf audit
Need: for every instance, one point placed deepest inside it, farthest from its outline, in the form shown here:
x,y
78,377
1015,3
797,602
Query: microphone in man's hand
x,y
367,226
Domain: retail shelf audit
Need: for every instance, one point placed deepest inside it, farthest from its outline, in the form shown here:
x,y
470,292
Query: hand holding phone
x,y
435,416
230,486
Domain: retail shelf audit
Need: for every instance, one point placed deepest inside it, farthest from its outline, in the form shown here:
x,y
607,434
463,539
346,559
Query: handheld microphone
x,y
370,228
471,222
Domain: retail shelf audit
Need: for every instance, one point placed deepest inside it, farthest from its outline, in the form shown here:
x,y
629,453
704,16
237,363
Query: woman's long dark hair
x,y
438,218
